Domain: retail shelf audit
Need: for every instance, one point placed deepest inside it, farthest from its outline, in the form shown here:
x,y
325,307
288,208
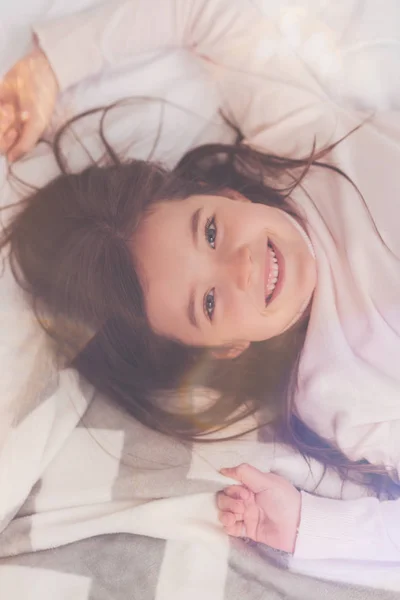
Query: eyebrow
x,y
194,227
191,311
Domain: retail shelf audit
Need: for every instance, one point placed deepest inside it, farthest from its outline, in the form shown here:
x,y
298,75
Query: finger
x,y
249,476
31,131
237,491
228,519
7,117
8,140
5,93
236,530
230,504
24,116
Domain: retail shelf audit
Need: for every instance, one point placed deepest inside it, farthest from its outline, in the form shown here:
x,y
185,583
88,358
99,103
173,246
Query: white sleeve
x,y
266,89
359,530
81,44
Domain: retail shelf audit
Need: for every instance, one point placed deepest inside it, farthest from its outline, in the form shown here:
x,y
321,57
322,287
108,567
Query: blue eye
x,y
209,304
211,232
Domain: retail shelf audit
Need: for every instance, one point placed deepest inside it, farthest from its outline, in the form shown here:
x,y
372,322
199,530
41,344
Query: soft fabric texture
x,y
118,510
62,473
349,378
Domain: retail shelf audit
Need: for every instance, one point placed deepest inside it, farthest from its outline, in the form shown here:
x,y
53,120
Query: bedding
x,y
117,511
94,506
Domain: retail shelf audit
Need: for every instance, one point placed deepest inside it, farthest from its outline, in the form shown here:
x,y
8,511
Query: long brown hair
x,y
68,248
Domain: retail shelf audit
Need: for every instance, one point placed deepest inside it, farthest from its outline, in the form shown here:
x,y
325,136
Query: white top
x,y
349,374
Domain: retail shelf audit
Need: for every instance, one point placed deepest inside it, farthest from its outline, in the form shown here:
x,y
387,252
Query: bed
x,y
94,506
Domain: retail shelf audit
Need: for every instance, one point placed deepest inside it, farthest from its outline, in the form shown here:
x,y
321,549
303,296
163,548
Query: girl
x,y
274,281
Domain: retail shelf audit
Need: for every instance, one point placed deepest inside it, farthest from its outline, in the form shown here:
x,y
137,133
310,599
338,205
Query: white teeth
x,y
273,274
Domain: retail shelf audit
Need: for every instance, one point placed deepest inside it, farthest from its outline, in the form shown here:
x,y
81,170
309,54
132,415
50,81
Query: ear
x,y
234,195
230,352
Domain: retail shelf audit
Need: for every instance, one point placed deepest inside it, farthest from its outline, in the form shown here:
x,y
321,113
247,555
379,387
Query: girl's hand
x,y
28,95
265,508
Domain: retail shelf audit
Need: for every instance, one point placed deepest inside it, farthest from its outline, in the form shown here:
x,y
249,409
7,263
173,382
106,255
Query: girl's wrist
x,y
333,529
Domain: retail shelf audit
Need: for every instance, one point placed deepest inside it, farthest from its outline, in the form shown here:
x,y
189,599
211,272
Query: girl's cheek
x,y
238,311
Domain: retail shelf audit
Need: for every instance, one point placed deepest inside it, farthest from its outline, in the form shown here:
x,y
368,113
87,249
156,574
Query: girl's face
x,y
222,271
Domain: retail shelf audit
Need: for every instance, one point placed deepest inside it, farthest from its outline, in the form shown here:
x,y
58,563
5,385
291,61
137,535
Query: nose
x,y
239,267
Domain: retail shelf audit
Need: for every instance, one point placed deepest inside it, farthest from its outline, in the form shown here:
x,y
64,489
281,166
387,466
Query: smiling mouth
x,y
273,275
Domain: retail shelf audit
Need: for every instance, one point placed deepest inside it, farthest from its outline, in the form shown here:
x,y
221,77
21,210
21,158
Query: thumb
x,y
5,94
249,476
32,129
